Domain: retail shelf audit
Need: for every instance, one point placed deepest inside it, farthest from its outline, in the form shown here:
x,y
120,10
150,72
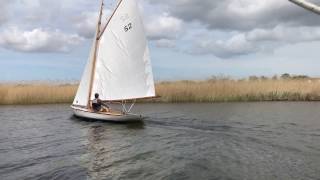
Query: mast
x,y
307,5
95,53
104,28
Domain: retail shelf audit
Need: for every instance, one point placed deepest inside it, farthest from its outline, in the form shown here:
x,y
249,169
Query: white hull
x,y
84,113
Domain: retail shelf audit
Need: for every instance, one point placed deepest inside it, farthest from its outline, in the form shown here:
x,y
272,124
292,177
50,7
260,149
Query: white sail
x,y
123,68
82,96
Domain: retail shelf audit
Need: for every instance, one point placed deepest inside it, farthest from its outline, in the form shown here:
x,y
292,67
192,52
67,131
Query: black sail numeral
x,y
128,27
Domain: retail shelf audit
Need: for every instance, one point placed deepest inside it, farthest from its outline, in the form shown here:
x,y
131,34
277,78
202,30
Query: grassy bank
x,y
221,90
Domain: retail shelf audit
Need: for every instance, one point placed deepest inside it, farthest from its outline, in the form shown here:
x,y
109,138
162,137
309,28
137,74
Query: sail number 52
x,y
128,27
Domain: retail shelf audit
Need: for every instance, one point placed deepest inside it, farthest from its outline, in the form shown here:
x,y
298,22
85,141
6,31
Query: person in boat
x,y
98,105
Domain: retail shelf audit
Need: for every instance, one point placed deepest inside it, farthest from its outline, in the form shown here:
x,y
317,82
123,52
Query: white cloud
x,y
232,27
235,27
163,27
256,40
38,40
242,15
85,24
235,46
4,13
165,43
285,34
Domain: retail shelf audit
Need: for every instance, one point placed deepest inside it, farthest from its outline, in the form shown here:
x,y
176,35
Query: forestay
x,y
123,69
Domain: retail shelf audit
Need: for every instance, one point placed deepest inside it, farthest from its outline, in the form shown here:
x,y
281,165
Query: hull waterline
x,y
108,117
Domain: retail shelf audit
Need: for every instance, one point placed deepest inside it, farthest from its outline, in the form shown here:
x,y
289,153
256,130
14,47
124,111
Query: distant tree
x,y
213,78
220,77
253,78
285,76
242,80
300,77
263,78
275,77
224,77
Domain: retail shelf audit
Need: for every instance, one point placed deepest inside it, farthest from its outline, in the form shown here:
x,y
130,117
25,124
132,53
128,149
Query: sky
x,y
188,39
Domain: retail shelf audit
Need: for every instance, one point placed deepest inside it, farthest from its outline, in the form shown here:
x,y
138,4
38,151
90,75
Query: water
x,y
176,141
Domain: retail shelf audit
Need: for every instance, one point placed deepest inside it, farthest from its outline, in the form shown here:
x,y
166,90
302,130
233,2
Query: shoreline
x,y
207,91
141,103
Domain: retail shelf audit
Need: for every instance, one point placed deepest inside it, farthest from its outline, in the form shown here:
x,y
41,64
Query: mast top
x,y
105,26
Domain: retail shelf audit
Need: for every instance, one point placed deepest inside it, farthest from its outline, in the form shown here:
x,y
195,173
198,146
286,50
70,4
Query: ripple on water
x,y
176,141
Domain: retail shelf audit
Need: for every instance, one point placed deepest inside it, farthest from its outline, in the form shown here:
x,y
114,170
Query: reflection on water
x,y
176,141
108,139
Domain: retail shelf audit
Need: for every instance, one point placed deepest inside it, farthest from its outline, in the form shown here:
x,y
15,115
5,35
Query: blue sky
x,y
189,39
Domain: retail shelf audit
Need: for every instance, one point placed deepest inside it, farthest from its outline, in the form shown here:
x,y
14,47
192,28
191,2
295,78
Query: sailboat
x,y
119,67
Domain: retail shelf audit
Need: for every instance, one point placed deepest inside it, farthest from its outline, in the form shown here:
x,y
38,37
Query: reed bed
x,y
244,90
178,91
36,94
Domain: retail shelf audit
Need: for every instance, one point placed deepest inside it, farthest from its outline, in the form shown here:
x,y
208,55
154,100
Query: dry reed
x,y
36,94
245,90
179,91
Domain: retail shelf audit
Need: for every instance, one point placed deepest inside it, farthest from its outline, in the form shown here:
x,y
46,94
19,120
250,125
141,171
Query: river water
x,y
175,141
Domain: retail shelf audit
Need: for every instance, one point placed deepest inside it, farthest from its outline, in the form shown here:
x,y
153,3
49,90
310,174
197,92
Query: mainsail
x,y
122,69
